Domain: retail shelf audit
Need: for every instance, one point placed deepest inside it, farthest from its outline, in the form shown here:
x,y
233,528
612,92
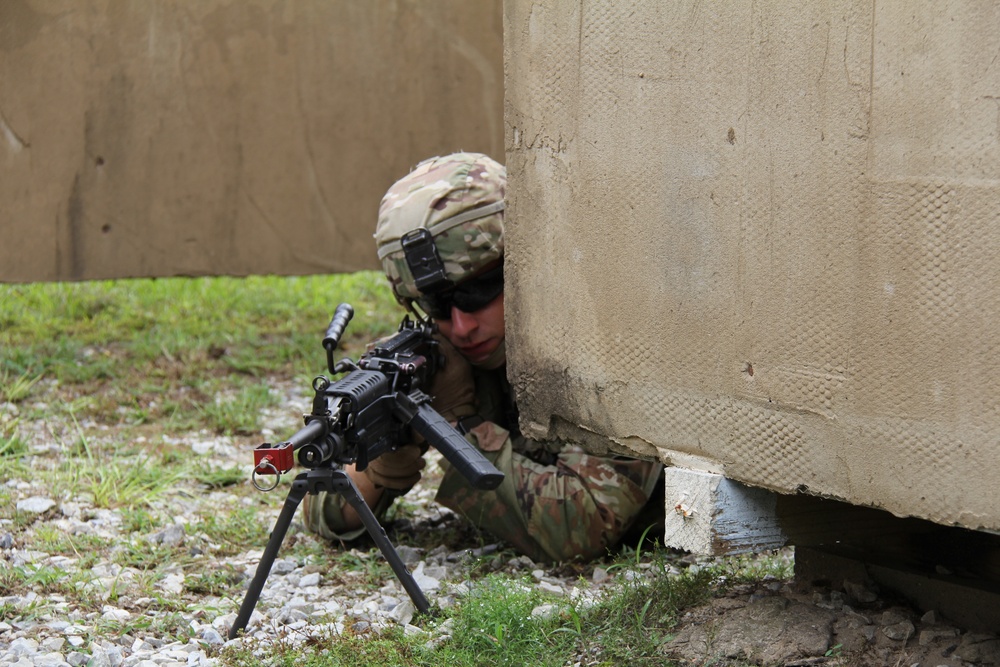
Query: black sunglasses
x,y
468,296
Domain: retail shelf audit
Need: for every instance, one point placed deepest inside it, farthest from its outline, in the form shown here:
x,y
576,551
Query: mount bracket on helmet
x,y
424,261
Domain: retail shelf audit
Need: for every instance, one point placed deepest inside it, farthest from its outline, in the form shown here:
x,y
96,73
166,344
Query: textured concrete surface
x,y
763,236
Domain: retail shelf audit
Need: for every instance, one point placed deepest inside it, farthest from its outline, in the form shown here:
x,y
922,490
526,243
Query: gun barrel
x,y
315,428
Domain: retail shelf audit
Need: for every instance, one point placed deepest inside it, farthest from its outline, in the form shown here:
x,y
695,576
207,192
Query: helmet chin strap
x,y
497,359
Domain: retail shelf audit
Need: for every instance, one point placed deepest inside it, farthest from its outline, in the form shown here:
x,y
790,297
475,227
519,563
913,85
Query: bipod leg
x,y
298,491
375,529
312,482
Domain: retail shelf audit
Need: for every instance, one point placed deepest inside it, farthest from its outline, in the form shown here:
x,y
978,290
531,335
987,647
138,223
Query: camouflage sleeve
x,y
579,506
323,514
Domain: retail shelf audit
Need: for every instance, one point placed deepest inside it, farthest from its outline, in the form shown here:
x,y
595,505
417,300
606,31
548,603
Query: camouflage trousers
x,y
577,507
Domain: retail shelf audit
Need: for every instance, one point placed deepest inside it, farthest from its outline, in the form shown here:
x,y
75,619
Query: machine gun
x,y
356,419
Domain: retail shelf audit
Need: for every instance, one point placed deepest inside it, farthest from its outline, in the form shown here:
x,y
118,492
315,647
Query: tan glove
x,y
398,470
453,388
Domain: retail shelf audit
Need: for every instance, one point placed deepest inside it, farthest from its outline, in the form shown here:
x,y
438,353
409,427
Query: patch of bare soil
x,y
790,624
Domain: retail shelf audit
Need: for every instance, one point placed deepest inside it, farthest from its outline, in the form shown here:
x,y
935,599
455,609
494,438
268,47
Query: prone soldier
x,y
440,238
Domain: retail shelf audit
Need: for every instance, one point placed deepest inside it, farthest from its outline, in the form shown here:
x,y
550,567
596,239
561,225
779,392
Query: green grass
x,y
494,626
166,627
218,478
52,540
166,349
12,445
138,520
241,529
218,581
143,555
239,414
635,619
101,372
39,578
15,388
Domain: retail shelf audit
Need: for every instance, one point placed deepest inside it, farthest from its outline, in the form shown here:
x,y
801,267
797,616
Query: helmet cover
x,y
459,199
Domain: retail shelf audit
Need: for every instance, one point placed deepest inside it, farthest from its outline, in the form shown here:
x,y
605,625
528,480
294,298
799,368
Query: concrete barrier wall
x,y
762,239
218,137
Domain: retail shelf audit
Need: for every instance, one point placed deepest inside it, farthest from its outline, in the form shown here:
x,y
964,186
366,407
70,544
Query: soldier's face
x,y
476,335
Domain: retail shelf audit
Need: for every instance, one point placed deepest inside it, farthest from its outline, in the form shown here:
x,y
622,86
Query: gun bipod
x,y
331,480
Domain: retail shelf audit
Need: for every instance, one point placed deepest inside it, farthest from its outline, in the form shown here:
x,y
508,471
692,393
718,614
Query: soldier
x,y
440,238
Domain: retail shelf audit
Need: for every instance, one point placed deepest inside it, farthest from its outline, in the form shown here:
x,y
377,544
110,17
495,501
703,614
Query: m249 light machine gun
x,y
365,414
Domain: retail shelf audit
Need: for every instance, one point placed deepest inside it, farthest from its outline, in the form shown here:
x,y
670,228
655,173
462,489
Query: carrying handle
x,y
341,316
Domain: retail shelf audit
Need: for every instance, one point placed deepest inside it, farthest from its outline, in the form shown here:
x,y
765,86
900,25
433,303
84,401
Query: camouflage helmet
x,y
450,208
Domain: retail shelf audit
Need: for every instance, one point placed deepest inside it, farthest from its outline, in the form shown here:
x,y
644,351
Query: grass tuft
x,y
240,414
495,626
219,581
112,479
238,530
634,619
12,445
16,389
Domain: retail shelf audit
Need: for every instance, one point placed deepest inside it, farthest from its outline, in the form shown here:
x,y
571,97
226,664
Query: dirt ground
x,y
796,624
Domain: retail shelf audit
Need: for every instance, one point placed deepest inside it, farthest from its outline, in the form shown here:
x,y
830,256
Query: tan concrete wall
x,y
224,137
762,239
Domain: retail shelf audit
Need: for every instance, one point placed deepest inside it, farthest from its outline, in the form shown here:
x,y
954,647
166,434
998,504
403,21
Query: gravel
x,y
304,598
298,601
301,599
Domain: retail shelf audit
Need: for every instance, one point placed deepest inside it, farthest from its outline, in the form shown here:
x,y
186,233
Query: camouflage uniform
x,y
556,501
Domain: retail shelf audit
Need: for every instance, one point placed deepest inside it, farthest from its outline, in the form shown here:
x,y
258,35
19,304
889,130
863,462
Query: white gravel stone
x,y
425,582
25,557
99,658
551,588
403,612
283,567
545,611
75,659
53,644
115,614
172,583
309,580
49,660
35,505
171,536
